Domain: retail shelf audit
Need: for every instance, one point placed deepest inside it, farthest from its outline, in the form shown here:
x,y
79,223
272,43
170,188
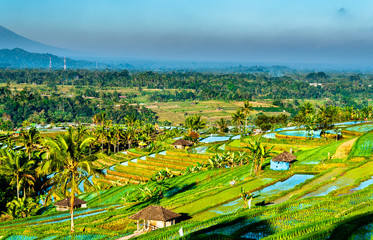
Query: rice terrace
x,y
186,120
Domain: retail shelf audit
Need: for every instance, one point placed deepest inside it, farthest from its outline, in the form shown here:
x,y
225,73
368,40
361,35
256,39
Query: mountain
x,y
10,40
19,58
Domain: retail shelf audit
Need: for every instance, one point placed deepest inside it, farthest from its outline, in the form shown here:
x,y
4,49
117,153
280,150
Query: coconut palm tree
x,y
100,132
246,109
237,118
71,164
17,165
99,118
30,139
194,123
222,125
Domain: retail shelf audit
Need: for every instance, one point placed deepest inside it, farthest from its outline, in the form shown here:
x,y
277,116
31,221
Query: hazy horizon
x,y
268,31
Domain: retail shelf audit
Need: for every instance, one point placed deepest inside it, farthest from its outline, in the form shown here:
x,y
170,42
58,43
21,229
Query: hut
x,y
282,161
64,205
155,217
181,144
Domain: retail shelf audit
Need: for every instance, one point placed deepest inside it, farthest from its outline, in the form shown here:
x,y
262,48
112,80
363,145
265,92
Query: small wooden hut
x,y
155,217
65,204
282,161
181,144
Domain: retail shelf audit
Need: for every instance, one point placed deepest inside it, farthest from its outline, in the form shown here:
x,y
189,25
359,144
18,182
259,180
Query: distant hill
x,y
10,40
19,58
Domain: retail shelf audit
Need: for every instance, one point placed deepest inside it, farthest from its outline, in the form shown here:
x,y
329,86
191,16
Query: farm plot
x,y
347,178
363,146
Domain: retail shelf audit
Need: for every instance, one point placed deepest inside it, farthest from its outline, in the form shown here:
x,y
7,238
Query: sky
x,y
277,31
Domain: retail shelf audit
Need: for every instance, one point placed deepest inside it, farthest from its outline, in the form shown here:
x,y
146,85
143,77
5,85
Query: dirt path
x,y
309,185
344,149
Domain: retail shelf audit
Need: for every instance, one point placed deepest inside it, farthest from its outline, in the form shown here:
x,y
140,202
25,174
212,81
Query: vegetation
x,y
125,160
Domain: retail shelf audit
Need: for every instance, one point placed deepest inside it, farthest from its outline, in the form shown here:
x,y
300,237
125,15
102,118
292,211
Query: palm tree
x,y
246,109
21,208
29,139
129,120
259,153
100,132
99,118
16,165
237,118
71,163
194,122
222,125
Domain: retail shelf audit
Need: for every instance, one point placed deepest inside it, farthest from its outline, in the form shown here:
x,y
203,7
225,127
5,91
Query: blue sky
x,y
222,30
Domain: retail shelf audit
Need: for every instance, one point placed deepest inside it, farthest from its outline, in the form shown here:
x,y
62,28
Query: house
x,y
64,205
282,161
181,144
154,217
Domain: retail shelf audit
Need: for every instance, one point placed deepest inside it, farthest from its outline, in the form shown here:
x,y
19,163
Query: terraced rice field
x,y
346,179
141,169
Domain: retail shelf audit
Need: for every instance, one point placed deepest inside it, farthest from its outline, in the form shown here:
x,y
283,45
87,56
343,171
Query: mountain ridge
x,y
11,40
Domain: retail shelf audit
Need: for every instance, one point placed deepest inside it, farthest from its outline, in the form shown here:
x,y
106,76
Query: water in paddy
x,y
214,139
143,158
302,133
134,160
286,128
236,137
162,153
363,185
17,237
263,194
200,149
361,128
62,215
124,163
270,135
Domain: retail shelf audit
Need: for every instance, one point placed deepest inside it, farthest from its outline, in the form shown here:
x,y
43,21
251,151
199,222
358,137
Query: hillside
x,y
19,58
10,40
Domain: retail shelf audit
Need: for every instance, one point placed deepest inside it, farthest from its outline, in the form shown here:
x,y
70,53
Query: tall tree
x,y
237,118
30,139
222,125
16,165
246,109
71,163
194,123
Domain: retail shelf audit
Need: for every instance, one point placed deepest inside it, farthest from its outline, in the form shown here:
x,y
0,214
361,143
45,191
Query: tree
x,y
222,125
99,118
246,109
237,118
16,165
29,139
101,133
21,208
194,123
259,153
71,163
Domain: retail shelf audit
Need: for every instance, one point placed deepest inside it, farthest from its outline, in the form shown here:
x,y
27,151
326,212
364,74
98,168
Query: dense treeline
x,y
341,88
30,105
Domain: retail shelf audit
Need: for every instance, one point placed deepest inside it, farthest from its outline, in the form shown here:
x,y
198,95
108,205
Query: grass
x,y
195,194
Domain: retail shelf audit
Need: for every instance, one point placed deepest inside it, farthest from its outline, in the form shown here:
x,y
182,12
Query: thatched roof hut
x,y
284,157
282,161
181,144
155,217
65,204
156,213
